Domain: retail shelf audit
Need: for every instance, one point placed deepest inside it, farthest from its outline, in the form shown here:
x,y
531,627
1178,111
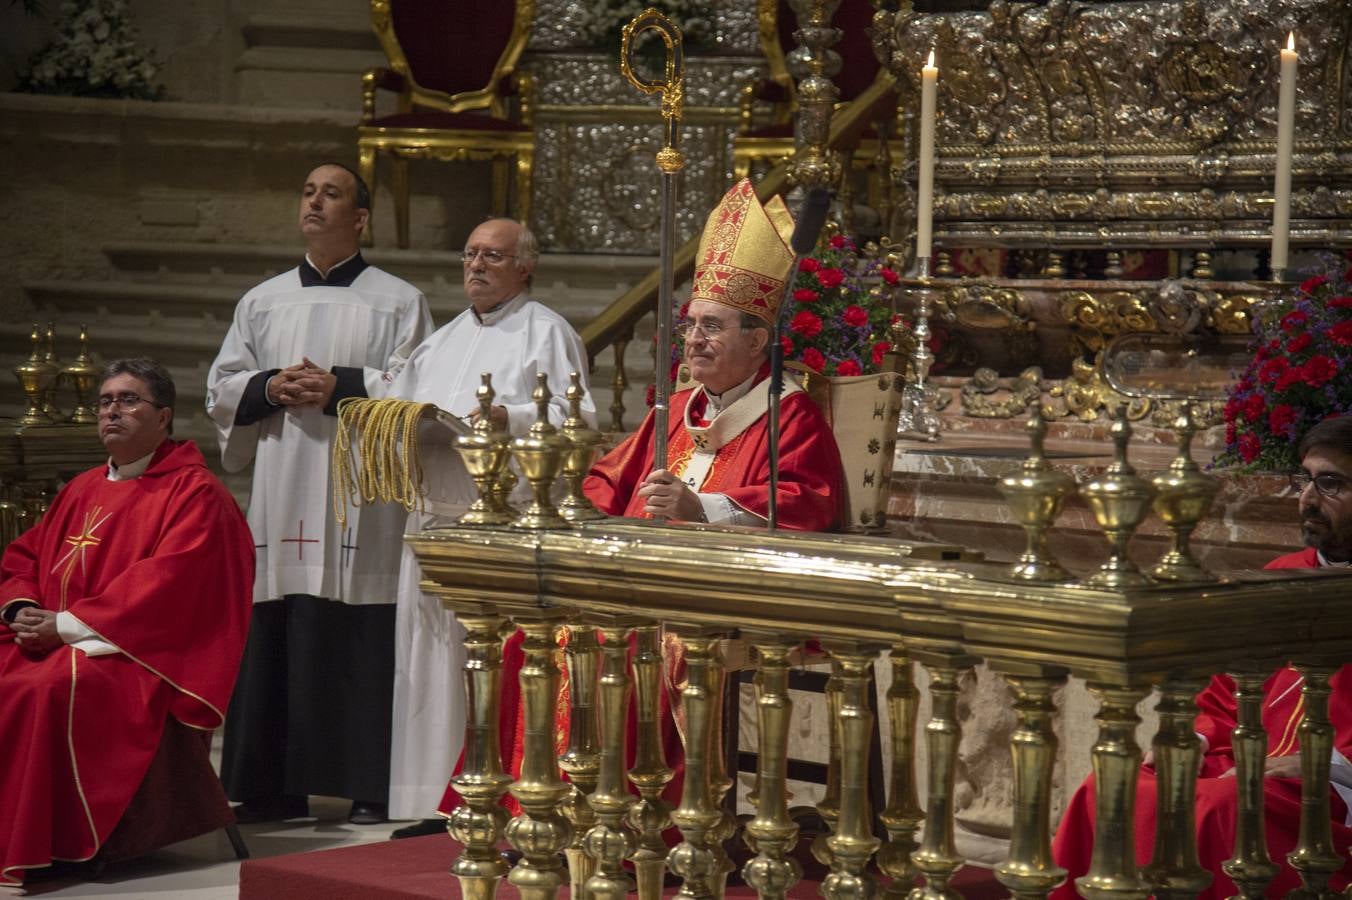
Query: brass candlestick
x,y
53,364
484,451
1183,496
1119,499
35,377
84,377
577,459
1036,494
917,415
539,454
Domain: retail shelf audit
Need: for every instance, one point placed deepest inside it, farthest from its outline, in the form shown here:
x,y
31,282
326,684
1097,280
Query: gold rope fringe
x,y
386,466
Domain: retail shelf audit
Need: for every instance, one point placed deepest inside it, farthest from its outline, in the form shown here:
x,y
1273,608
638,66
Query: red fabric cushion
x,y
452,45
859,64
446,121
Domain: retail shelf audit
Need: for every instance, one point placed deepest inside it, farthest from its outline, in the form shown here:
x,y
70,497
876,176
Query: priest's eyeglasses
x,y
1327,484
490,257
124,402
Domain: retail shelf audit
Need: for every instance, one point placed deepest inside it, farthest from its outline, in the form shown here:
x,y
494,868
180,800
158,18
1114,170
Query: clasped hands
x,y
304,384
666,495
35,630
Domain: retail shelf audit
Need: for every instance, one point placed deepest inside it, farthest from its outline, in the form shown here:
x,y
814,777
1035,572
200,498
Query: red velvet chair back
x,y
859,64
453,45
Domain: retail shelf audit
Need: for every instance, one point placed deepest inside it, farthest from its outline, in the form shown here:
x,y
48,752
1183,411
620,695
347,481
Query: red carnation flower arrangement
x,y
1300,374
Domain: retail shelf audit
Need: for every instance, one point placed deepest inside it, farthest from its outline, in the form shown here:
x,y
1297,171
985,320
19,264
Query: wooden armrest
x,y
375,79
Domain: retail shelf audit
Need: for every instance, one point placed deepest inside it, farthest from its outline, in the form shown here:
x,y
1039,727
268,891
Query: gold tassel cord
x,y
385,465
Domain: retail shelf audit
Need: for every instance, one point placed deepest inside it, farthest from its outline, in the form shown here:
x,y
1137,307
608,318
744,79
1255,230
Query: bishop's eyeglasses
x,y
1327,484
125,402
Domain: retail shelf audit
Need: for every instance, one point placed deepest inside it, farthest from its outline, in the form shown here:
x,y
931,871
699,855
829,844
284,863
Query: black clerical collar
x,y
341,275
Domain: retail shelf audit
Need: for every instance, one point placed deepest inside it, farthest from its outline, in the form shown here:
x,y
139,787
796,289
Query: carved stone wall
x,y
1128,124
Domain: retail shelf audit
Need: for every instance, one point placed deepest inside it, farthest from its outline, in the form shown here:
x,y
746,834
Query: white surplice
x,y
374,325
513,342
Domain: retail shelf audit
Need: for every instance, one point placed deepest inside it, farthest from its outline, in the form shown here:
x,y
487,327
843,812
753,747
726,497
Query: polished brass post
x,y
484,451
696,858
539,454
35,378
1056,265
541,832
1183,496
651,815
1112,267
1029,872
1119,500
53,366
852,841
828,808
1251,868
814,63
938,859
478,823
771,832
1315,858
619,380
582,759
720,781
84,378
1112,871
610,842
1174,869
583,442
1035,494
903,814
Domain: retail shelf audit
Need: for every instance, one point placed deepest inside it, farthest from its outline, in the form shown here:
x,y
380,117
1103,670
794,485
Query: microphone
x,y
811,219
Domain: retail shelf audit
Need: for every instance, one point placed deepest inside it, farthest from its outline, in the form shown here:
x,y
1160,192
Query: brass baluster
x,y
852,842
696,858
1116,761
720,782
773,834
938,858
1315,857
903,814
541,831
582,760
1174,869
619,380
478,823
1030,873
828,808
609,842
1251,868
651,815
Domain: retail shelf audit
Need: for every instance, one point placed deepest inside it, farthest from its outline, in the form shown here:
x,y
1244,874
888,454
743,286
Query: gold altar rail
x,y
860,597
614,326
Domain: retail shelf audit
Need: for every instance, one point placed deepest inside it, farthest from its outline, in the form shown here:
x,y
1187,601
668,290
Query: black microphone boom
x,y
811,218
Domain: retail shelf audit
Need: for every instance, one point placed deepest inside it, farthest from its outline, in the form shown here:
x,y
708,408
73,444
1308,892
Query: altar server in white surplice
x,y
311,712
508,334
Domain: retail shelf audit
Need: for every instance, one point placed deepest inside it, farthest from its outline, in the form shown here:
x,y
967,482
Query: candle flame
x,y
1291,41
930,64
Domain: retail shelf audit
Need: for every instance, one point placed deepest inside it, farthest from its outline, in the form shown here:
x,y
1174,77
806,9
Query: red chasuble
x,y
810,494
161,567
1217,800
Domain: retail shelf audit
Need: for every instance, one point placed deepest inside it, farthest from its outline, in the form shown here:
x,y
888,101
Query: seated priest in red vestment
x,y
718,437
1325,488
718,451
126,604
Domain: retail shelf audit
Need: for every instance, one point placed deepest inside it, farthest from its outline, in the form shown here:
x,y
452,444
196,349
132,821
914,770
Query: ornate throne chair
x,y
770,137
453,68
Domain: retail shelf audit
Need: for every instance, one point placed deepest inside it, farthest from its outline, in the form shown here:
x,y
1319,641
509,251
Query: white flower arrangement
x,y
96,53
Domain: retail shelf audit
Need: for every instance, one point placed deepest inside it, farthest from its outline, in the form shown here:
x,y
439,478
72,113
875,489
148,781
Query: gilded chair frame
x,y
505,147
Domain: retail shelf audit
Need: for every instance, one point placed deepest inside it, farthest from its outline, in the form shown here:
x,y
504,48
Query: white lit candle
x,y
924,230
1286,133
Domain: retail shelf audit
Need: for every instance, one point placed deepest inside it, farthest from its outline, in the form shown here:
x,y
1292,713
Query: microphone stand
x,y
810,221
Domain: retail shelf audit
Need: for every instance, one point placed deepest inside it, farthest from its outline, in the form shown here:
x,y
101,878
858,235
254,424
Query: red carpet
x,y
420,867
